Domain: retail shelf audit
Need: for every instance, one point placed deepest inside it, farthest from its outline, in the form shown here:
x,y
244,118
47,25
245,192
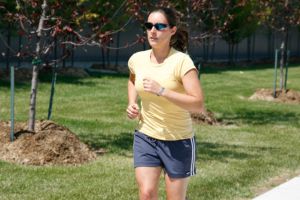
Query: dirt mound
x,y
50,144
288,96
204,117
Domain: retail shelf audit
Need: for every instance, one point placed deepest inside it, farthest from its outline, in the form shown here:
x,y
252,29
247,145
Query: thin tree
x,y
280,16
239,22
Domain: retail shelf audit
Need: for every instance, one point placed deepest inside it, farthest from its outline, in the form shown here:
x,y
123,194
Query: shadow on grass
x,y
122,144
19,85
222,152
119,143
262,117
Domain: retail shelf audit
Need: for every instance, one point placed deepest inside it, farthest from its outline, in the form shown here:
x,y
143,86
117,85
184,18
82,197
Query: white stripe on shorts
x,y
193,157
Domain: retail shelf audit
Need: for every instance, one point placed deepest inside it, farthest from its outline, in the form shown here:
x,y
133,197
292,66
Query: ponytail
x,y
179,40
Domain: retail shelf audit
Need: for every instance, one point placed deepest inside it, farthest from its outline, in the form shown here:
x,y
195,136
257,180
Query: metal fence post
x,y
54,75
275,72
286,69
53,82
12,103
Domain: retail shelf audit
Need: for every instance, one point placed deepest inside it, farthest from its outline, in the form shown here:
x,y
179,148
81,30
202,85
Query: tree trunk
x,y
283,56
32,105
36,63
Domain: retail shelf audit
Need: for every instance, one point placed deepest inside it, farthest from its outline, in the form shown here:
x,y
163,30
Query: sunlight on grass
x,y
257,141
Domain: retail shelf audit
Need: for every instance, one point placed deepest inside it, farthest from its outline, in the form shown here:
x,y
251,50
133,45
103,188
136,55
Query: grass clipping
x,y
50,144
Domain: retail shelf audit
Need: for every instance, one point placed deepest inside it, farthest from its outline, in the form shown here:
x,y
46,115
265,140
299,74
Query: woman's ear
x,y
173,30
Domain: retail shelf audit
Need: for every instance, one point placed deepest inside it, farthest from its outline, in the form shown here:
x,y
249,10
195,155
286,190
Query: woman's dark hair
x,y
179,40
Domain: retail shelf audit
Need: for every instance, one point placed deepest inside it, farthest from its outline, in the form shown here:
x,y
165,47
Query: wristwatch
x,y
162,89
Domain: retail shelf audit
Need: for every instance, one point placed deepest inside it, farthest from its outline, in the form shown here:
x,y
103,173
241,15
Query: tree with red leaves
x,y
48,23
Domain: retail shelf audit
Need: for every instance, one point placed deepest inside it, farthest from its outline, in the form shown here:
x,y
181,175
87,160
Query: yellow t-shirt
x,y
160,118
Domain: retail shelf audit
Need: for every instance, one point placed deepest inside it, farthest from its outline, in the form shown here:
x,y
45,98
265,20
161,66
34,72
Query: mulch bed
x,y
206,117
288,96
50,144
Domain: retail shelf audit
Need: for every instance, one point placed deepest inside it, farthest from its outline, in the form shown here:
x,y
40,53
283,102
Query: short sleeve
x,y
186,65
131,65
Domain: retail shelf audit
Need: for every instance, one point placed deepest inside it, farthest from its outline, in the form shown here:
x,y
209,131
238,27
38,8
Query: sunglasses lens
x,y
160,26
148,25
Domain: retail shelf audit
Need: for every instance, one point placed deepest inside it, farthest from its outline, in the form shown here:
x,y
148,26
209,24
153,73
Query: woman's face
x,y
159,38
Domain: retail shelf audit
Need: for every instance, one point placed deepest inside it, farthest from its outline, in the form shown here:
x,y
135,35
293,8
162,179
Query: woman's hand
x,y
151,86
133,111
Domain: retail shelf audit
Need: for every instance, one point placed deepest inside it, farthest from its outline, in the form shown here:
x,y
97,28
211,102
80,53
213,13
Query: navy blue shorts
x,y
177,158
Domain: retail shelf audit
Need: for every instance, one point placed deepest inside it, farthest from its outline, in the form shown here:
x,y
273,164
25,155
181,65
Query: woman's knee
x,y
148,179
148,193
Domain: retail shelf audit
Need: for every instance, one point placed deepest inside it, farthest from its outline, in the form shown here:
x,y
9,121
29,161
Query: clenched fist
x,y
151,86
133,111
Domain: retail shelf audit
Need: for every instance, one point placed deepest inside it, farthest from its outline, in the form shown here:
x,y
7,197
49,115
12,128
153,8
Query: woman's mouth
x,y
153,38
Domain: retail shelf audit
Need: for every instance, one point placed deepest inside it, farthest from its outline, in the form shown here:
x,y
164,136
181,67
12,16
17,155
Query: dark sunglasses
x,y
158,26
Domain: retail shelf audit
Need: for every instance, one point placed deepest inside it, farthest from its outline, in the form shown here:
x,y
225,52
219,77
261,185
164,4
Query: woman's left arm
x,y
192,101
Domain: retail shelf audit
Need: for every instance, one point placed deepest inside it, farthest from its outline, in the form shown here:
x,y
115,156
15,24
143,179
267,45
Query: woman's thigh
x,y
176,188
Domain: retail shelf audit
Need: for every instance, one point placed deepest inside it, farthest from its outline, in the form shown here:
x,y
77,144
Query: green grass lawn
x,y
262,140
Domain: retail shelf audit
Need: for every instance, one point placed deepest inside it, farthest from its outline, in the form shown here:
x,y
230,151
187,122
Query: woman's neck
x,y
159,55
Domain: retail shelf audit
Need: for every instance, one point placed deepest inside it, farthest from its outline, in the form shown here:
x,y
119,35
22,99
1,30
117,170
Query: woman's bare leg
x,y
148,181
176,188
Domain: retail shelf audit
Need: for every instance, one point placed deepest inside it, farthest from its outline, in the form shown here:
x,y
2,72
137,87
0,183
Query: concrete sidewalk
x,y
286,191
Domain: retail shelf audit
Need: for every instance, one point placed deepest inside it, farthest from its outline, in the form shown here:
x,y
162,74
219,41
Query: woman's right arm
x,y
132,108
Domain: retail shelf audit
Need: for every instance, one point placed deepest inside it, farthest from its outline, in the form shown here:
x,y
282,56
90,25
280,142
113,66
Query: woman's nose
x,y
153,29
